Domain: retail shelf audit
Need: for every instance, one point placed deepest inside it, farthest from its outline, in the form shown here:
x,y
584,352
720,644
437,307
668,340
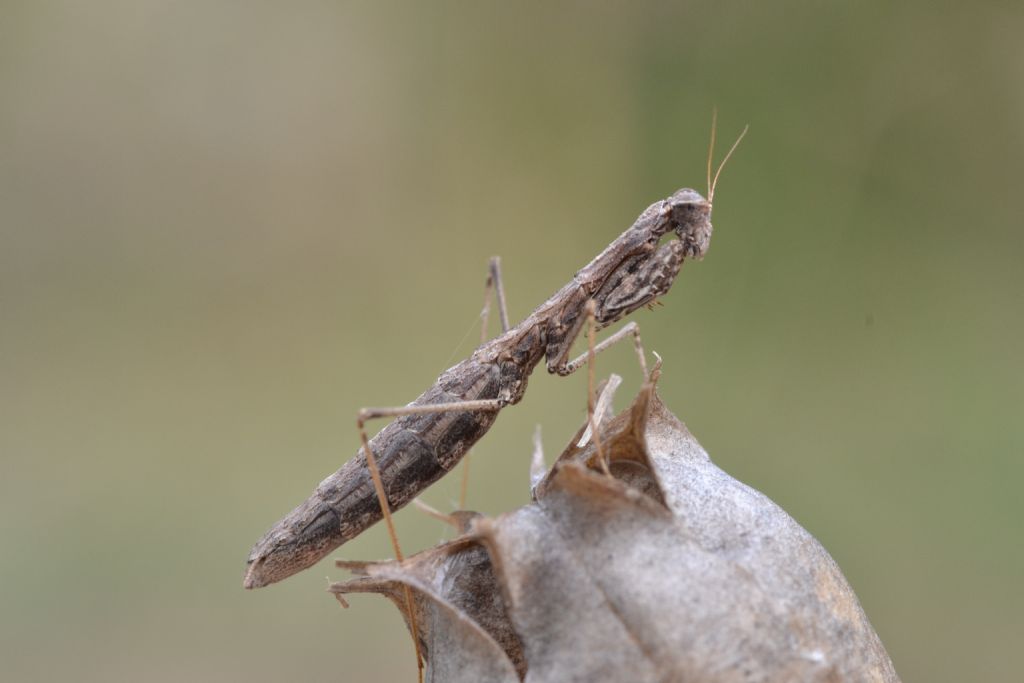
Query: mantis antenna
x,y
711,150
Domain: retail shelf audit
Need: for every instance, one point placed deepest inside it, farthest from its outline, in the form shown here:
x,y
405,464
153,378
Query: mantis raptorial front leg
x,y
590,359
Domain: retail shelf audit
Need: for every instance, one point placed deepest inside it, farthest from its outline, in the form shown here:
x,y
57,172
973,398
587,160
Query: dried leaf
x,y
460,616
668,570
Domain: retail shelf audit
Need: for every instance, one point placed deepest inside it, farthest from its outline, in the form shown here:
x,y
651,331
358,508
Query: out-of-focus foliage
x,y
224,227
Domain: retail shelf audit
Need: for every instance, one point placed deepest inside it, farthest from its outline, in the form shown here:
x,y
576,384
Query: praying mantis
x,y
431,434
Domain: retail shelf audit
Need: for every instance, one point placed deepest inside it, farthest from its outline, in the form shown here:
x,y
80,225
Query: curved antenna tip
x,y
714,183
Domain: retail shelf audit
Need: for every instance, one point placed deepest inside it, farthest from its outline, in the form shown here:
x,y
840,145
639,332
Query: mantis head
x,y
691,213
691,221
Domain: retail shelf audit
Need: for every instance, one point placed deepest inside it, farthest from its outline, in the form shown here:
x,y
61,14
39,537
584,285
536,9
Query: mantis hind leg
x,y
494,283
367,414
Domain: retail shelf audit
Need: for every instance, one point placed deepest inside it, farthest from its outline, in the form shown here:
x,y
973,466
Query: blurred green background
x,y
226,226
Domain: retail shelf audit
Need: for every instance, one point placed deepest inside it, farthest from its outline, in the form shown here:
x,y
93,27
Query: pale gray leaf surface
x,y
670,570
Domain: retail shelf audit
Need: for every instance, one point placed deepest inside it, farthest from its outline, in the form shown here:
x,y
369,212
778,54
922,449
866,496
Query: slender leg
x,y
591,398
378,484
485,316
592,350
629,329
493,282
499,288
434,512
